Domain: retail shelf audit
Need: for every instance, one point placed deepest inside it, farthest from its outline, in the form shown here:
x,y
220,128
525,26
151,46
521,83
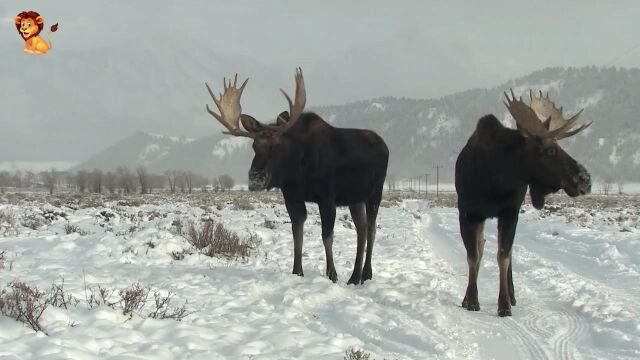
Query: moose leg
x,y
512,293
328,218
473,238
360,221
372,214
506,232
298,215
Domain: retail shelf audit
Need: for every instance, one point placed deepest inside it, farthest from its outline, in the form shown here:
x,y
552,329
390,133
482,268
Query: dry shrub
x,y
70,229
32,221
213,239
163,310
356,355
242,203
8,225
133,298
23,303
269,224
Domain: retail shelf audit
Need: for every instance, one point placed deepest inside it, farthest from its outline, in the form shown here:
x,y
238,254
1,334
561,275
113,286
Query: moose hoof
x,y
355,280
366,275
504,312
513,301
298,272
471,305
332,275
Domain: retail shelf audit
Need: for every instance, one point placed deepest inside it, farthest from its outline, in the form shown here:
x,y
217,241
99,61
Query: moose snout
x,y
584,181
256,180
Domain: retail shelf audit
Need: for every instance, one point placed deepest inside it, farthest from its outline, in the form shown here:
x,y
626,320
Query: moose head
x,y
271,145
550,168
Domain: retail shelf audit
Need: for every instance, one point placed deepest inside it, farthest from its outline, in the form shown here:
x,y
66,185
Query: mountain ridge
x,y
422,133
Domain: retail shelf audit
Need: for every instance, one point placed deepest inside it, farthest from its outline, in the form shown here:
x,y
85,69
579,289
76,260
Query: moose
x,y
312,161
493,171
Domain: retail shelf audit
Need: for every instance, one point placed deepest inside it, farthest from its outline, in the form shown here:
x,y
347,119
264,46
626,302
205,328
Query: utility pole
x,y
437,180
426,185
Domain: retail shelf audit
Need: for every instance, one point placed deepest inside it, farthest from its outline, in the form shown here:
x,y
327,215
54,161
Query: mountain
x,y
429,132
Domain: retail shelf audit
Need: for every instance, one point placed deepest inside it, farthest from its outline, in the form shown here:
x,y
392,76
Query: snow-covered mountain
x,y
424,133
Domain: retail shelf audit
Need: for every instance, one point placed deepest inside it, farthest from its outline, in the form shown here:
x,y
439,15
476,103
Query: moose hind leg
x,y
328,219
298,215
512,292
372,214
473,238
360,221
506,232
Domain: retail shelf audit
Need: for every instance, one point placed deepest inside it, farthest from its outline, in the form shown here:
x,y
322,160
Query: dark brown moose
x,y
493,171
312,161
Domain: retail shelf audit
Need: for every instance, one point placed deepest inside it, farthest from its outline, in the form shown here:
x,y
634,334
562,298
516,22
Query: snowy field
x,y
576,273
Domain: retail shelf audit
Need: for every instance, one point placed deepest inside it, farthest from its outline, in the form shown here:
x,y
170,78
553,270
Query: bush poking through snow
x,y
8,224
133,298
269,224
32,221
356,355
2,258
213,239
177,226
70,229
242,203
164,311
179,255
23,303
99,296
58,298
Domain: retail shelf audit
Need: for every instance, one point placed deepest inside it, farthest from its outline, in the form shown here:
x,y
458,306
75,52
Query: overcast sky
x,y
350,50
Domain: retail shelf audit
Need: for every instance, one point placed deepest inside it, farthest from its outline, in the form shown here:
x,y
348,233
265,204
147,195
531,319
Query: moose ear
x,y
18,20
250,124
283,118
39,20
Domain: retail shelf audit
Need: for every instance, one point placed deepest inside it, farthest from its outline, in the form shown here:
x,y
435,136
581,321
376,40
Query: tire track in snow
x,y
433,228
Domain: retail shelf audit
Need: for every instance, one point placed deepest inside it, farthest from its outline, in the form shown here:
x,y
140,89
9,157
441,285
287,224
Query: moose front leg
x,y
328,219
506,232
360,220
473,238
298,215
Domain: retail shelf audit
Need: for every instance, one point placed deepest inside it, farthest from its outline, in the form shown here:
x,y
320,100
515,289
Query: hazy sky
x,y
350,50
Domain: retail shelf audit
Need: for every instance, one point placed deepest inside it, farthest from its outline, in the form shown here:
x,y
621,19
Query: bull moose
x,y
493,171
312,161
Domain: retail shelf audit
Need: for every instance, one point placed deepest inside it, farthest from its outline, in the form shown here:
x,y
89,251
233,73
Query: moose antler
x,y
554,120
229,107
296,107
527,120
541,118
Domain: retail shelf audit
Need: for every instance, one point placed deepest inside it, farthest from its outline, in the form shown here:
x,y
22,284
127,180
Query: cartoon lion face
x,y
29,24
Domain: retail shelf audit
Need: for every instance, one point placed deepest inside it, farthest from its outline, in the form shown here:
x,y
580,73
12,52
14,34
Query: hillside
x,y
428,132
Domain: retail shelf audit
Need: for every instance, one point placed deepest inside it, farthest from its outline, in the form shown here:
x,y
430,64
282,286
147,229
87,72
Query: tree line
x,y
121,180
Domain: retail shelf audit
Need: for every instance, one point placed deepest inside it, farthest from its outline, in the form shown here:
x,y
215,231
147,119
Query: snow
x,y
375,106
227,146
152,151
175,139
576,286
584,103
614,157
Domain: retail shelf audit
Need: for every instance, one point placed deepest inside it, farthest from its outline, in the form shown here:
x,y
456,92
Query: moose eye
x,y
551,151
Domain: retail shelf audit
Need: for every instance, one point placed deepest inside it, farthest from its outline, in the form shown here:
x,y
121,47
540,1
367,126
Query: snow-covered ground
x,y
577,283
